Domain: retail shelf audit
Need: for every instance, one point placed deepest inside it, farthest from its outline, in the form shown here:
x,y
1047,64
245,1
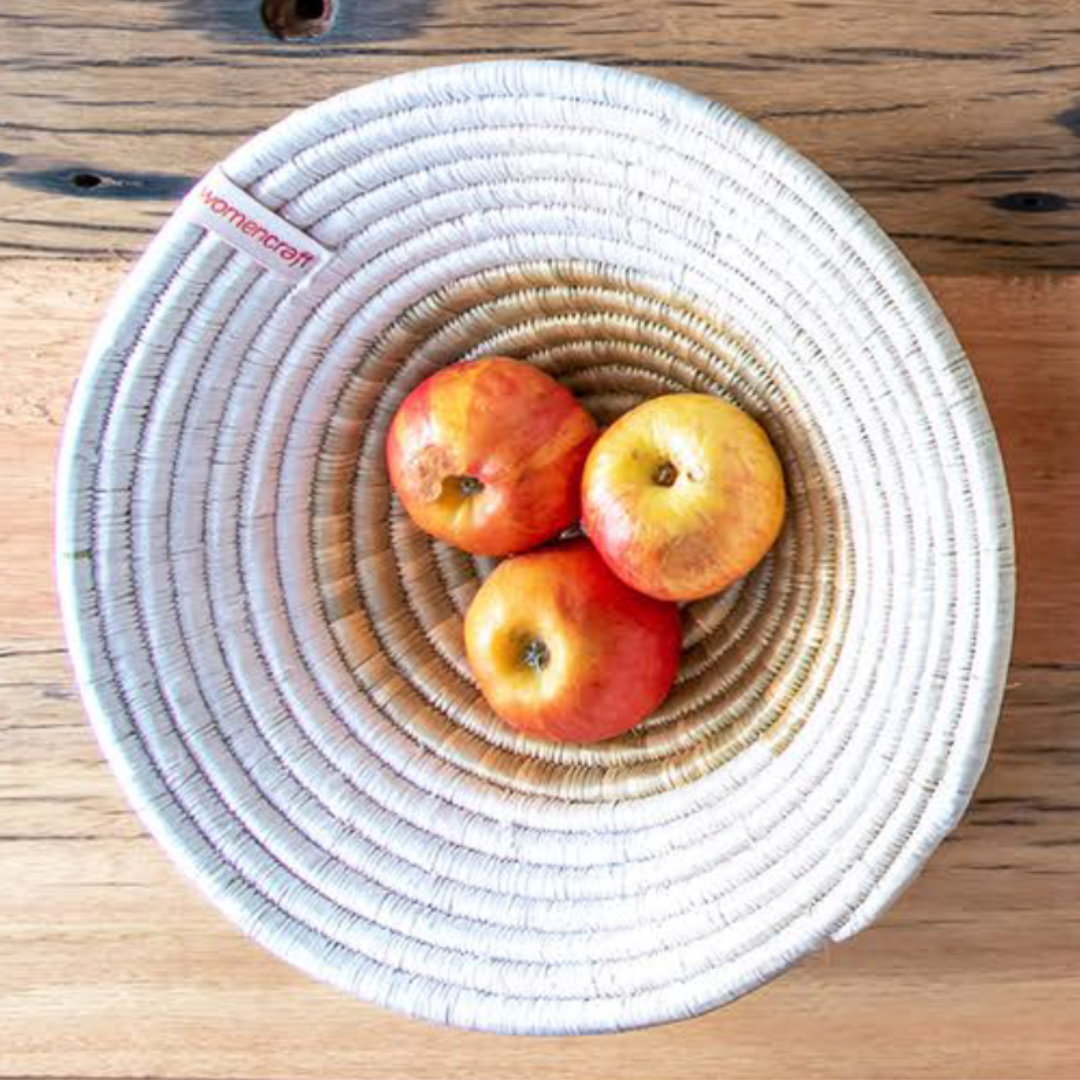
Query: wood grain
x,y
111,966
956,122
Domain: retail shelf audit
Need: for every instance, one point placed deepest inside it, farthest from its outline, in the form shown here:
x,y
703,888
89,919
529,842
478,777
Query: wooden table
x,y
956,122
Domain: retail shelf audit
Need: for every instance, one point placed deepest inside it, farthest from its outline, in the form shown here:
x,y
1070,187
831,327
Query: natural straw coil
x,y
271,653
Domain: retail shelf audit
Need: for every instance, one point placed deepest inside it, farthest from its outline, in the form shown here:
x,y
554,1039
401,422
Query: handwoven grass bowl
x,y
272,654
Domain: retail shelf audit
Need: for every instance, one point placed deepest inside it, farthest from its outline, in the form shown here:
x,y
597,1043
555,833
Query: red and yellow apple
x,y
487,455
682,496
563,649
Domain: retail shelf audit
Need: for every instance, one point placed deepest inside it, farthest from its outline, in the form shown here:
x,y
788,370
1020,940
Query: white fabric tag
x,y
217,204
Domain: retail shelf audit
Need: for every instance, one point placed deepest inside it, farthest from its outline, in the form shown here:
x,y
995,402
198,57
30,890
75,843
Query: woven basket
x,y
272,655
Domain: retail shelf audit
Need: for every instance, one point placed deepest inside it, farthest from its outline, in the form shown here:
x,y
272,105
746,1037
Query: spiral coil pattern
x,y
272,654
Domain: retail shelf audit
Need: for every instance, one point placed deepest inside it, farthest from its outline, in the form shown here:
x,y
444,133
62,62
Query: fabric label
x,y
217,204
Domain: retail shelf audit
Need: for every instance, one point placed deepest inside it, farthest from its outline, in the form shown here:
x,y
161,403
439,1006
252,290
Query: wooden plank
x,y
955,122
1022,336
118,968
113,967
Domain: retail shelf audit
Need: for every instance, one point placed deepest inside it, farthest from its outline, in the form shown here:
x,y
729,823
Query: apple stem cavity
x,y
535,655
665,474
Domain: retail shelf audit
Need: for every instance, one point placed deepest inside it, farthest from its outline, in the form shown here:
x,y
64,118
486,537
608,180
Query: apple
x,y
682,496
487,455
561,648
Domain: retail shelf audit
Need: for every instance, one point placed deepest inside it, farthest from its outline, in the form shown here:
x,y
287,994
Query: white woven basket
x,y
271,655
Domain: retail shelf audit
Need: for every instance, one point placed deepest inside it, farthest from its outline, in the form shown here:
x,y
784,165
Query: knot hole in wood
x,y
289,19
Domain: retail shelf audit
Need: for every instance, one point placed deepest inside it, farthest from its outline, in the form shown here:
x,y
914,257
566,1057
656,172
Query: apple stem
x,y
535,655
469,485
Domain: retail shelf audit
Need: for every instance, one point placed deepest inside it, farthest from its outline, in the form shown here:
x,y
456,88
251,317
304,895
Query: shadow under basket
x,y
272,654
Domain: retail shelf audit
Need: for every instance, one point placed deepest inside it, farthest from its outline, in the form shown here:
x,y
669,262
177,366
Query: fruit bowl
x,y
272,655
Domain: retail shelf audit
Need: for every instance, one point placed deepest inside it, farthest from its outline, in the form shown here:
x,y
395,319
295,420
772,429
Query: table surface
x,y
954,121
